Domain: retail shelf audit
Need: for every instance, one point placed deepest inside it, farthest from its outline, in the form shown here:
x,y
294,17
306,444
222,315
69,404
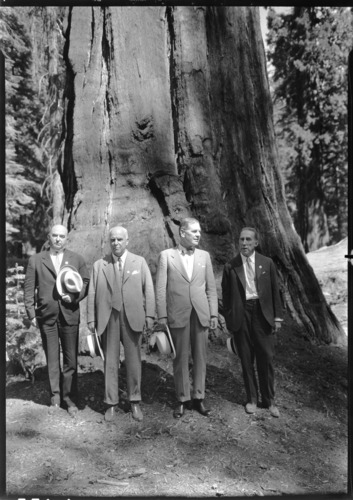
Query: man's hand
x,y
66,298
278,325
91,327
34,322
163,321
149,323
213,323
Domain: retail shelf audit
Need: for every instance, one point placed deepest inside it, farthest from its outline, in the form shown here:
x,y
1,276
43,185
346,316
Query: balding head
x,y
119,240
57,237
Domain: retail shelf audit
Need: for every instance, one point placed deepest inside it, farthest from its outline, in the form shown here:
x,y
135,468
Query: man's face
x,y
58,237
247,242
118,241
190,237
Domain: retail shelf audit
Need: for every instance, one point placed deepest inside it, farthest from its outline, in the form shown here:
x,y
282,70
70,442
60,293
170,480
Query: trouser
x,y
255,341
68,337
196,336
117,330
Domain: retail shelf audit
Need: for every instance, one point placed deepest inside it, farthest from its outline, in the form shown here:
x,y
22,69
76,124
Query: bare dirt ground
x,y
228,454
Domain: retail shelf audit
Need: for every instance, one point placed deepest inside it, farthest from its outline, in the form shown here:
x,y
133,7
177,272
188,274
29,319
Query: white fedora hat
x,y
165,343
95,345
231,346
68,280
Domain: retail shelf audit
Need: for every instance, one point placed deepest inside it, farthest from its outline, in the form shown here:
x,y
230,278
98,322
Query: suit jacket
x,y
177,294
41,297
233,291
137,292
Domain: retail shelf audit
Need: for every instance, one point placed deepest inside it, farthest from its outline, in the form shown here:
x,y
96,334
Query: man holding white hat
x,y
56,281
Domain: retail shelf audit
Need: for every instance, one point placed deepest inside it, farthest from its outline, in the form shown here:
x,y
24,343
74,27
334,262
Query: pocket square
x,y
135,272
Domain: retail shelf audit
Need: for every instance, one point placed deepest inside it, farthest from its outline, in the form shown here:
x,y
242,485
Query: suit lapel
x,y
128,267
47,262
65,259
258,267
239,269
197,263
177,263
108,270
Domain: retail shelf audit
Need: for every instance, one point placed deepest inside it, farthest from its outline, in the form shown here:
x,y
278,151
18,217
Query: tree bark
x,y
168,114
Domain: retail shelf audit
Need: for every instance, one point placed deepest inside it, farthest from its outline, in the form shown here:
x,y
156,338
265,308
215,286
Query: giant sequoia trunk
x,y
167,114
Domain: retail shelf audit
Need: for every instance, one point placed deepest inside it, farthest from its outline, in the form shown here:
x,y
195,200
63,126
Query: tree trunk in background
x,y
168,114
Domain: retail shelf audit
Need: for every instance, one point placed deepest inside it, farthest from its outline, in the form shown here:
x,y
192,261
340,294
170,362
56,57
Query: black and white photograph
x,y
176,201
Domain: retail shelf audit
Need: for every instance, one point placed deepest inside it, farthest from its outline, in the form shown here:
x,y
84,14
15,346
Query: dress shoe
x,y
72,410
136,412
250,408
274,411
179,410
200,407
188,405
110,414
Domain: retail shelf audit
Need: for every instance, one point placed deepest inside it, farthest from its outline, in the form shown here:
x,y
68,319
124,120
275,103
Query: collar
x,y
123,257
251,258
54,252
185,251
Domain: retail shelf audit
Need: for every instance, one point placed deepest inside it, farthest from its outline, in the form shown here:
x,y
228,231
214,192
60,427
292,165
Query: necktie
x,y
249,270
251,276
120,262
116,295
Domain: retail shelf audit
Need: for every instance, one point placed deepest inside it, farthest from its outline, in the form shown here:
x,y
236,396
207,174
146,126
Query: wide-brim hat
x,y
231,345
95,345
165,343
68,280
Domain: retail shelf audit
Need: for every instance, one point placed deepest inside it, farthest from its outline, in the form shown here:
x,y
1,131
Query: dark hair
x,y
185,223
247,228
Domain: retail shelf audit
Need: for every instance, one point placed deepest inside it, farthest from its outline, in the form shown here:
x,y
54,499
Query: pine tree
x,y
32,42
22,111
308,50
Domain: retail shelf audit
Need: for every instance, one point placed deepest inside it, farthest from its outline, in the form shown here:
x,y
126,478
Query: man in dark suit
x,y
55,310
253,313
187,301
120,302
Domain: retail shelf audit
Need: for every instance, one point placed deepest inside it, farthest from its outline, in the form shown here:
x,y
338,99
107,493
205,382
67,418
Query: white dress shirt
x,y
57,258
187,258
123,259
250,290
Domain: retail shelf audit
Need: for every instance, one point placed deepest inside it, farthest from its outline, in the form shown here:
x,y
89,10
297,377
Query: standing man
x,y
120,302
187,301
253,310
56,281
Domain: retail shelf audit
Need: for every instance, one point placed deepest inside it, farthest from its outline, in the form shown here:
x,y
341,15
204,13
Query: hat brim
x,y
95,346
165,343
59,285
231,346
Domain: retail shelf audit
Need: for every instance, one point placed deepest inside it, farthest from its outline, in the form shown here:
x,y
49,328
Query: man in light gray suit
x,y
187,301
120,302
